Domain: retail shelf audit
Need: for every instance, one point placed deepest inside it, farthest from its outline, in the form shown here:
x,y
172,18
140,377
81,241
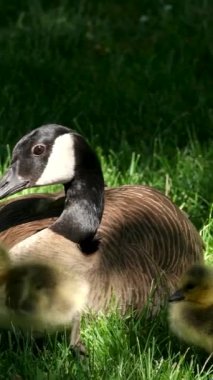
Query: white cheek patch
x,y
61,163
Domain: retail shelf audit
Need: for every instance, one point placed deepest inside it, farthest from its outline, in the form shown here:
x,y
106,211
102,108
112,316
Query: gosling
x,y
191,309
39,297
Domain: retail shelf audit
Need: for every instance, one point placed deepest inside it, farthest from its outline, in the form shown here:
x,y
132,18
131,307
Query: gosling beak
x,y
177,296
11,182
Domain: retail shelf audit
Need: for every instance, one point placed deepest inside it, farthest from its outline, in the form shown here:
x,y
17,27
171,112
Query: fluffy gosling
x,y
40,297
191,308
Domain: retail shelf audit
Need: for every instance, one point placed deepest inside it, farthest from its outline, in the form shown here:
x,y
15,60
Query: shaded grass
x,y
106,71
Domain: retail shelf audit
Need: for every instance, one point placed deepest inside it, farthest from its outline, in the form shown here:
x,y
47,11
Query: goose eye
x,y
37,150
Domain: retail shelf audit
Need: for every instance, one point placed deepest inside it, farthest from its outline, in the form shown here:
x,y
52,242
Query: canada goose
x,y
191,309
142,239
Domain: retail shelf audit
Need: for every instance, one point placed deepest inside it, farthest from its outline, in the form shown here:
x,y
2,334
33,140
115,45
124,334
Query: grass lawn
x,y
134,77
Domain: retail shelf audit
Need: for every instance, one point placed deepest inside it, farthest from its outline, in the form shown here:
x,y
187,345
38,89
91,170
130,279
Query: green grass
x,y
135,78
118,349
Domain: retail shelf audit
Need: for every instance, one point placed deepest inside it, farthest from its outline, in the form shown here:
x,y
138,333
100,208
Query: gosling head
x,y
44,296
196,287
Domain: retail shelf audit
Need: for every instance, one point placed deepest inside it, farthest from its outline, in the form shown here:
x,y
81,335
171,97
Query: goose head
x,y
54,154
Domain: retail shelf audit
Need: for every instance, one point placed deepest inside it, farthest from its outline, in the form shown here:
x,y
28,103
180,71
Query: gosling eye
x,y
38,149
39,286
190,286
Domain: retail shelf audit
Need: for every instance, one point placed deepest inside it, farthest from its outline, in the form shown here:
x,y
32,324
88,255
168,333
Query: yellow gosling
x,y
191,308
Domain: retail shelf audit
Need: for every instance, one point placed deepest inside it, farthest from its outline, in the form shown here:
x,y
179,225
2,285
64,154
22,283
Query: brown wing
x,y
145,238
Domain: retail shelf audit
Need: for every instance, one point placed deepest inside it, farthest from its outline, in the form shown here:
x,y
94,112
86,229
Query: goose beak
x,y
10,183
177,296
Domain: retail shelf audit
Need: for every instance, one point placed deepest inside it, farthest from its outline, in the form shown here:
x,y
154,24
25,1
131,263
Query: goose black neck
x,y
84,200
